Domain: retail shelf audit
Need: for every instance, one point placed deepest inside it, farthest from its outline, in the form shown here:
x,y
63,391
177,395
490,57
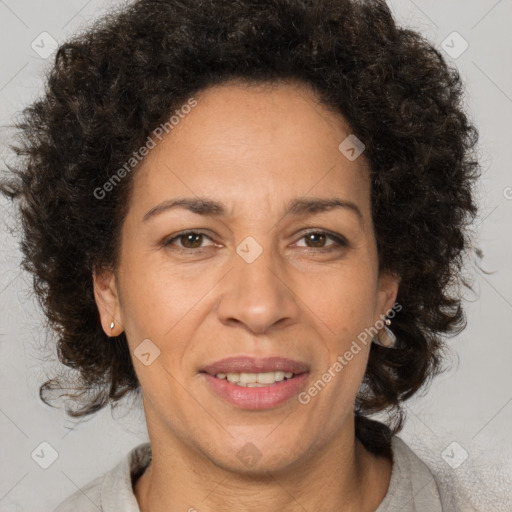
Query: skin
x,y
255,148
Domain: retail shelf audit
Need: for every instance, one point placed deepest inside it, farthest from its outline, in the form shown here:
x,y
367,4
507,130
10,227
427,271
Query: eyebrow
x,y
208,207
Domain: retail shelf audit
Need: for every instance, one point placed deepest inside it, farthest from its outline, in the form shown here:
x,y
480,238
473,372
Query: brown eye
x,y
318,239
194,239
188,240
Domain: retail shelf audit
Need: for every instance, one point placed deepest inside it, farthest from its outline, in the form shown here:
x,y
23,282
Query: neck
x,y
340,477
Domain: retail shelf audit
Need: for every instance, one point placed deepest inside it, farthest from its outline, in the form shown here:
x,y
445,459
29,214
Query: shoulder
x,y
109,491
412,486
86,499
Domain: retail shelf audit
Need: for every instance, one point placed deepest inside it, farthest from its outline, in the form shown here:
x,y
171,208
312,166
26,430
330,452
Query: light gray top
x,y
412,487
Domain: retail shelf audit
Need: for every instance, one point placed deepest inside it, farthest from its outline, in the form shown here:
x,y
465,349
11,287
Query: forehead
x,y
283,113
244,140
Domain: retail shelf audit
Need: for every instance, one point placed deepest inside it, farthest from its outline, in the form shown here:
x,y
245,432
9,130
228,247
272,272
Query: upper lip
x,y
239,364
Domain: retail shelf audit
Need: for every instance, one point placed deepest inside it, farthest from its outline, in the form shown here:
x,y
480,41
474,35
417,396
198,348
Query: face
x,y
265,271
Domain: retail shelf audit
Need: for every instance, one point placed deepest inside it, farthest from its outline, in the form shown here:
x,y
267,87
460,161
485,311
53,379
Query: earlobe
x,y
388,291
107,301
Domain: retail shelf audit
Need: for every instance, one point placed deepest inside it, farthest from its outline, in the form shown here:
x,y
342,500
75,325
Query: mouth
x,y
252,365
256,380
250,383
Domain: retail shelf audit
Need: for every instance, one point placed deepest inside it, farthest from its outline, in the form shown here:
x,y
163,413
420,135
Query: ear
x,y
107,299
388,285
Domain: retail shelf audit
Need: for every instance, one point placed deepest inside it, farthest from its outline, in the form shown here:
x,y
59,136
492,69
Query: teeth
x,y
255,380
248,378
268,378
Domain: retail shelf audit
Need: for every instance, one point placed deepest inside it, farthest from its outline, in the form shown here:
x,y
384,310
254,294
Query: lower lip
x,y
257,398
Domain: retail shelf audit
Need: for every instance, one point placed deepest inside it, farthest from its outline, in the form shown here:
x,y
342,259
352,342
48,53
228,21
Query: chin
x,y
258,451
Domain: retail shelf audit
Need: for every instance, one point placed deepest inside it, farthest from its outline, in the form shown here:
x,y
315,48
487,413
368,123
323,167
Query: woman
x,y
254,214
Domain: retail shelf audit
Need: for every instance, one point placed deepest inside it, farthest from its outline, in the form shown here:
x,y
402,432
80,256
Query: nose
x,y
258,295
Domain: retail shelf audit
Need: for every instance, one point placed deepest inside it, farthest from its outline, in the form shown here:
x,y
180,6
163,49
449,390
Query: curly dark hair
x,y
115,82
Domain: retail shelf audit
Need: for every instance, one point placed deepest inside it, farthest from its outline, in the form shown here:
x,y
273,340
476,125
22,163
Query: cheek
x,y
154,296
166,307
343,299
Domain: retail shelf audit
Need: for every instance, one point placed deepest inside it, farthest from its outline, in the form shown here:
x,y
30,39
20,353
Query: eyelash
x,y
340,242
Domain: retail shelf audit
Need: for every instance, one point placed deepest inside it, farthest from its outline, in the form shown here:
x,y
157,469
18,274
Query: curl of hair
x,y
113,84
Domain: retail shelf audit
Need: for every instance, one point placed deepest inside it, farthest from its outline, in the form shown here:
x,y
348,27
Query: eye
x,y
188,239
318,239
192,240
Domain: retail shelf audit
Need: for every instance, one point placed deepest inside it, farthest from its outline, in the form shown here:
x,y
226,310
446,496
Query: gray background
x,y
469,405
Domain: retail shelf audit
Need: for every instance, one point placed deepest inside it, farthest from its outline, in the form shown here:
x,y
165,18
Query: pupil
x,y
189,239
312,235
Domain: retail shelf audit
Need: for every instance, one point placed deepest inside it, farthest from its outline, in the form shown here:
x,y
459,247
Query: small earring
x,y
385,337
112,326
